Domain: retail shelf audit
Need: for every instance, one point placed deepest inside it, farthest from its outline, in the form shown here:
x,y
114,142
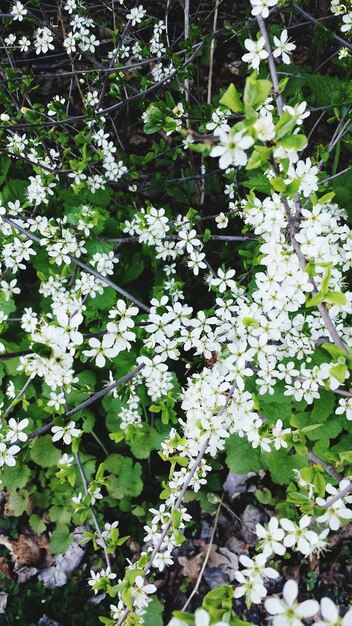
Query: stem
x,y
322,308
82,265
179,500
96,396
19,395
92,510
272,66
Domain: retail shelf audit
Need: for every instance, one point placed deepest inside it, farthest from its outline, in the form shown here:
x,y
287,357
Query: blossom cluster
x,y
255,335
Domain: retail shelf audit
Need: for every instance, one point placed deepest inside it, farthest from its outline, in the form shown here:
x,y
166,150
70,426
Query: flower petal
x,y
290,591
308,608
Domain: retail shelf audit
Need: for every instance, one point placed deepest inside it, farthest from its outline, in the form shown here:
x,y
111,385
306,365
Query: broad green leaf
x,y
126,476
60,515
333,350
278,184
241,456
339,372
153,614
15,477
18,502
255,92
43,452
336,297
293,142
36,523
281,465
60,539
232,100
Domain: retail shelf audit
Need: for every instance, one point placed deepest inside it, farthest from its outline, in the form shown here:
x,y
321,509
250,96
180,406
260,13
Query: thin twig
x,y
310,18
92,510
206,558
179,500
322,308
82,265
96,396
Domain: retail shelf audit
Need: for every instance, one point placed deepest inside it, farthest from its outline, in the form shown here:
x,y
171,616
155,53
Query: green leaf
x,y
323,407
232,100
15,477
18,502
155,120
143,440
259,156
315,300
292,188
255,92
126,476
169,124
293,142
43,452
278,184
153,614
241,456
285,124
220,598
258,182
336,297
36,523
326,279
327,197
281,465
60,539
264,496
339,372
60,515
333,350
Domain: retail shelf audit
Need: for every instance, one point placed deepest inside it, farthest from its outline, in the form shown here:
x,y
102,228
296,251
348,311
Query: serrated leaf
x,y
36,523
153,614
60,539
241,456
43,452
15,477
126,476
281,465
60,515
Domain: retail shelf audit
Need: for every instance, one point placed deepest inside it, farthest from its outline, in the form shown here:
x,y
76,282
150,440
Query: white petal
x,y
329,609
201,618
290,591
308,608
274,606
347,620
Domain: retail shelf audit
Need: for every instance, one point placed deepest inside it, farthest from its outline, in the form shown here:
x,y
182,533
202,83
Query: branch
x,y
82,265
179,500
312,19
322,308
96,396
272,66
114,107
339,496
92,510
